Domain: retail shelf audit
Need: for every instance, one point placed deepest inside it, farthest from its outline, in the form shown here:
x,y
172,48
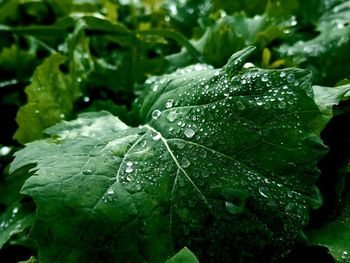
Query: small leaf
x,y
335,234
183,256
49,100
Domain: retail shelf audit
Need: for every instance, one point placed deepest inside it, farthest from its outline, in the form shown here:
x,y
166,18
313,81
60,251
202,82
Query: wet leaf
x,y
204,159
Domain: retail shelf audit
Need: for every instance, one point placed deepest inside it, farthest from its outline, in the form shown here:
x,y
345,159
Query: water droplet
x,y
129,169
248,65
86,99
283,74
180,145
110,191
15,210
169,104
290,78
259,103
5,150
172,116
37,111
129,178
198,67
263,191
157,136
87,172
143,143
282,105
203,153
185,162
217,73
265,78
232,208
156,114
189,133
129,163
205,174
240,105
138,187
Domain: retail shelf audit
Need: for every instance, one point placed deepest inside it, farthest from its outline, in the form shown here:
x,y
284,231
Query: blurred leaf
x,y
8,10
50,98
327,53
232,33
183,256
335,234
16,219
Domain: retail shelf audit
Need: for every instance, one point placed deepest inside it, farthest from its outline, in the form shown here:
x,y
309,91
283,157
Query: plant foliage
x,y
174,131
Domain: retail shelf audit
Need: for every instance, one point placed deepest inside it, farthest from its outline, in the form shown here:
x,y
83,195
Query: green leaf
x,y
230,34
50,98
204,160
183,256
32,259
326,53
16,219
335,234
326,98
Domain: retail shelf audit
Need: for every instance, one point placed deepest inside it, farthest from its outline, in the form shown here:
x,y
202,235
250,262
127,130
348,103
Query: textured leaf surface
x,y
49,99
202,172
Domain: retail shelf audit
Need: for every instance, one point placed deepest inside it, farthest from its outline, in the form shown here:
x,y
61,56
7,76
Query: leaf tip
x,y
236,61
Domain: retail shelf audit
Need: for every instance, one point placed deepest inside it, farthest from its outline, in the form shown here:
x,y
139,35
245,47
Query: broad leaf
x,y
202,172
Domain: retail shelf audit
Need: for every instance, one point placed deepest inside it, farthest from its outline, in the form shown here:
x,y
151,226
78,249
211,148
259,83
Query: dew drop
x,y
169,104
189,133
129,169
110,191
283,74
129,163
217,73
240,105
15,210
129,178
172,116
87,172
156,114
203,153
5,150
264,78
157,136
290,78
232,208
198,67
143,143
263,191
282,105
185,162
